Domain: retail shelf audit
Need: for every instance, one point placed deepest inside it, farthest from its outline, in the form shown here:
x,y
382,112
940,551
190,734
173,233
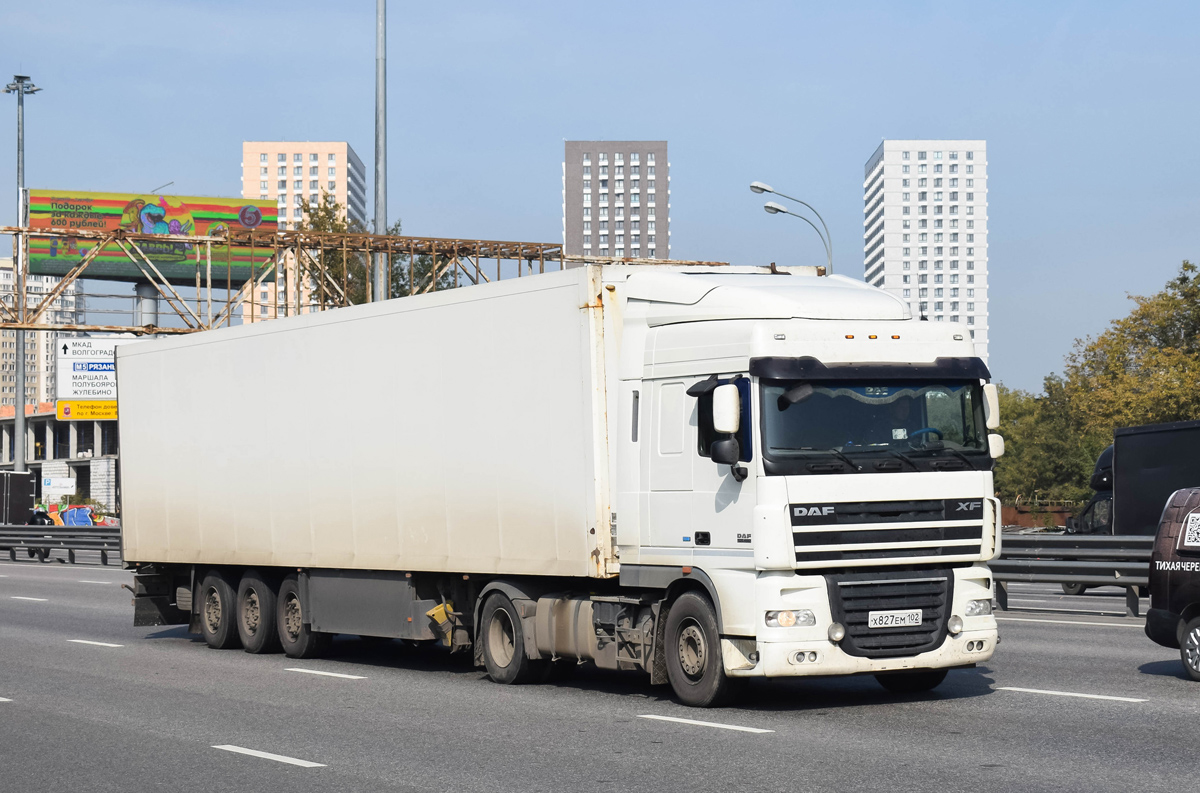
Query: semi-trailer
x,y
704,473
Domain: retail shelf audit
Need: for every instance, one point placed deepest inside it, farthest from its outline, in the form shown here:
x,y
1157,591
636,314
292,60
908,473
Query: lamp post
x,y
773,208
20,86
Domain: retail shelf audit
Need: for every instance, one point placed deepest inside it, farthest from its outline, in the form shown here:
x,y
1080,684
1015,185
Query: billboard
x,y
147,214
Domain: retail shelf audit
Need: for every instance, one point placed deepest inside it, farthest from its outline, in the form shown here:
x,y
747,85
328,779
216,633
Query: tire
x,y
911,682
1073,589
504,642
1189,648
693,653
218,612
256,611
298,638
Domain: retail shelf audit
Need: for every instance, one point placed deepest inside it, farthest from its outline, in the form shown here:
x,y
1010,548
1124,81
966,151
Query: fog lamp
x,y
955,625
837,632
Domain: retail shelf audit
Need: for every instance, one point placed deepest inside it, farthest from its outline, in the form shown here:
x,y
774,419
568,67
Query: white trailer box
x,y
459,431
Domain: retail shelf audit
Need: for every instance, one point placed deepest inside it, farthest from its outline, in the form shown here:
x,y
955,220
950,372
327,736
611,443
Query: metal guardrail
x,y
1075,559
40,541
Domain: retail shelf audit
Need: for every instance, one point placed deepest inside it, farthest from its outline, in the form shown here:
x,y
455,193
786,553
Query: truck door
x,y
723,508
672,443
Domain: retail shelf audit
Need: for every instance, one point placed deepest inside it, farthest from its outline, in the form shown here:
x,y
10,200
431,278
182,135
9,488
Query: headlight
x,y
979,608
793,618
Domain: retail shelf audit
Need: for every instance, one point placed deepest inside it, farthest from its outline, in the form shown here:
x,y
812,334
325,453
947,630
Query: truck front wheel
x,y
298,638
504,642
256,614
218,612
1189,649
693,653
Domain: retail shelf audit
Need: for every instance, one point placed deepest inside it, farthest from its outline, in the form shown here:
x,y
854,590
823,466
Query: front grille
x,y
853,595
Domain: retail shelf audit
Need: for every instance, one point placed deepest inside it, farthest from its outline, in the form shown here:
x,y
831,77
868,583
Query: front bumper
x,y
775,652
778,659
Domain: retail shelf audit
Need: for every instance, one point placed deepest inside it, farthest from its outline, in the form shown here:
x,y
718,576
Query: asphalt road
x,y
147,713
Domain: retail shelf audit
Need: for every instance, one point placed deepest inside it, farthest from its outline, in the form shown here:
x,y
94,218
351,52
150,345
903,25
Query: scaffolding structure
x,y
318,271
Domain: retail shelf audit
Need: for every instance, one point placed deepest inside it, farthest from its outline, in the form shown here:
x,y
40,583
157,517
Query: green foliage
x,y
1144,369
420,271
348,271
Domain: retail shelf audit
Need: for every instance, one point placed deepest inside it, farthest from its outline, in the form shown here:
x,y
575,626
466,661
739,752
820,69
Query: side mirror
x,y
725,452
991,407
727,409
995,445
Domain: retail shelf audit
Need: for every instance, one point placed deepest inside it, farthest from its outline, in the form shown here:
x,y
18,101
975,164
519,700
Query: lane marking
x,y
38,600
326,674
1068,622
279,758
95,582
94,644
1069,694
2,699
706,724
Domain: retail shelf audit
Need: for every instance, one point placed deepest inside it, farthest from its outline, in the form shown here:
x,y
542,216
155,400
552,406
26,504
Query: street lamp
x,y
20,86
775,209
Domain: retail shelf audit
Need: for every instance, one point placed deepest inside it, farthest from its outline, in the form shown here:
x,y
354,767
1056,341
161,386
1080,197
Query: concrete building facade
x,y
288,172
925,227
86,451
616,199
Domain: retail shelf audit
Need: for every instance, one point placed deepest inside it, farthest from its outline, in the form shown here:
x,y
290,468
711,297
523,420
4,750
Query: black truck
x,y
1135,476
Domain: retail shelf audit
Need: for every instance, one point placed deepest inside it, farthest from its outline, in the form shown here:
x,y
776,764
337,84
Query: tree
x,y
1144,369
347,270
421,271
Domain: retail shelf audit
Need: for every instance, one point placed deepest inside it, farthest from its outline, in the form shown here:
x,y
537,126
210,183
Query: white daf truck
x,y
705,473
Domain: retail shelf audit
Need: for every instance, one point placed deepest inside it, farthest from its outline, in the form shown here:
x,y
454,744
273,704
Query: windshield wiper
x,y
959,455
903,457
846,459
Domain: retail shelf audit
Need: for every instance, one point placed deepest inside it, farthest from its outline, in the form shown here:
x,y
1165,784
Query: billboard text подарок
x,y
146,214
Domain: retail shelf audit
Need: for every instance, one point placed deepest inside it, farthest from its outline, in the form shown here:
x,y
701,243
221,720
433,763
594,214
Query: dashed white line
x,y
706,724
38,600
94,644
279,758
326,674
2,699
94,582
1068,622
1069,694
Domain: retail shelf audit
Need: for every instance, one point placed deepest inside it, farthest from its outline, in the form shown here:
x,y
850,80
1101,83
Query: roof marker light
x,y
849,336
872,336
895,337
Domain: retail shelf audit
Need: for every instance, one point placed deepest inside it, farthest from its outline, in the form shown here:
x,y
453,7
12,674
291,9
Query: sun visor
x,y
809,368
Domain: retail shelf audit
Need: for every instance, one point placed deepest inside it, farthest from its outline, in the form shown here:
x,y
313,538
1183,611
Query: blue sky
x,y
1089,110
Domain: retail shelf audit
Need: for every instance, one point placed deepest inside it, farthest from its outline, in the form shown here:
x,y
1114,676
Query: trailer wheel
x,y
911,682
504,642
218,612
693,651
299,640
256,612
1073,589
1189,649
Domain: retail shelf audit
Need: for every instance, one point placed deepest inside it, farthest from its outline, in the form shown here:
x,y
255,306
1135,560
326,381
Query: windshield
x,y
836,427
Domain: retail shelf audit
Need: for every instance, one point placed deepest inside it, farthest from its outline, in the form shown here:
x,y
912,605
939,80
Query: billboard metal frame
x,y
307,253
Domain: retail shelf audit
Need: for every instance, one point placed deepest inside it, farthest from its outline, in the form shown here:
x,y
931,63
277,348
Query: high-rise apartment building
x,y
925,229
616,199
290,172
40,360
293,171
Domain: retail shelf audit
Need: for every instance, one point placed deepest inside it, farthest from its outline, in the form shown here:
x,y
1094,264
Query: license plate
x,y
894,619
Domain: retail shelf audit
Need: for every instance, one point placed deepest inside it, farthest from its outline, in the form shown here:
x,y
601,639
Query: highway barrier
x,y
41,541
1082,559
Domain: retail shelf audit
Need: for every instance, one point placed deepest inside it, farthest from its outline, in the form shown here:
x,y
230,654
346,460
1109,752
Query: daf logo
x,y
969,506
807,511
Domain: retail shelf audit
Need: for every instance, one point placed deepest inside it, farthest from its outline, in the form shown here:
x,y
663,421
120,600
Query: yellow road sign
x,y
87,410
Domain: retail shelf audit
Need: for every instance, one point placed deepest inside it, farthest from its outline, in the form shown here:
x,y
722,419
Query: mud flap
x,y
658,664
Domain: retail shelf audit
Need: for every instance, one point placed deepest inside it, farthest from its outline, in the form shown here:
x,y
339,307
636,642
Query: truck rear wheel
x,y
218,612
1073,589
504,642
911,682
298,638
1189,649
256,614
693,653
